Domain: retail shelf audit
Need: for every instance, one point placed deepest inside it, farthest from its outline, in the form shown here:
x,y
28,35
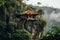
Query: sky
x,y
50,3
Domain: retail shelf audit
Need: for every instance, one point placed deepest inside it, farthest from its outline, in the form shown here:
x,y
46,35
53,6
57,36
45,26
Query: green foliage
x,y
13,23
52,33
2,2
56,29
40,11
8,29
21,35
2,23
38,3
42,23
3,32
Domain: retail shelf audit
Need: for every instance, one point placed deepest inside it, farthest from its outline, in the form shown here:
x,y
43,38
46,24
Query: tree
x,y
8,9
38,3
21,35
52,34
40,27
40,11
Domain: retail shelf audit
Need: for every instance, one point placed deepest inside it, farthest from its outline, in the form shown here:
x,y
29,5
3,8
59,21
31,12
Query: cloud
x,y
50,3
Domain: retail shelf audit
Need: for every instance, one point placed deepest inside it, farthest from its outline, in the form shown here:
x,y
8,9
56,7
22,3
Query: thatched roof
x,y
30,12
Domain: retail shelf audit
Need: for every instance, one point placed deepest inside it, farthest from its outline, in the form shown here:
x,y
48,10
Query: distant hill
x,y
52,15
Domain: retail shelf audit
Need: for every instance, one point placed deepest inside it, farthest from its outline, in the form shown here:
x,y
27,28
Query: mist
x,y
52,15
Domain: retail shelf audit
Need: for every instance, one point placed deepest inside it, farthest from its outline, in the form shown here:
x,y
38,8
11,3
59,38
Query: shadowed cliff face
x,y
52,15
